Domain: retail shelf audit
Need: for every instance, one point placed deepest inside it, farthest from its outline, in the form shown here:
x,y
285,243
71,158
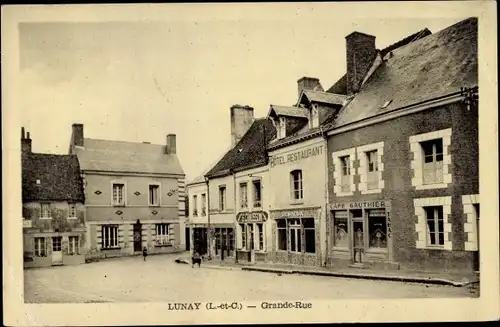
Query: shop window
x,y
162,234
154,195
345,166
433,161
310,235
257,194
377,228
340,234
222,198
435,226
195,205
297,189
243,195
243,236
372,170
118,194
295,231
231,239
260,229
45,211
251,236
40,247
109,234
73,245
282,234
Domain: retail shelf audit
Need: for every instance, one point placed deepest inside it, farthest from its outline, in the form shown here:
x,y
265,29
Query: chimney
x,y
241,120
309,83
171,146
77,135
360,51
25,142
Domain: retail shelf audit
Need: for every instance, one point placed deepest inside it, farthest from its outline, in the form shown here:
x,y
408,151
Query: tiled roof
x,y
59,177
324,97
197,180
250,150
433,66
118,156
289,111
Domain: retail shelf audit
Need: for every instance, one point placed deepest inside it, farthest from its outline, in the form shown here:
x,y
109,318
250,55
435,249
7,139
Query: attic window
x,y
239,150
38,182
387,103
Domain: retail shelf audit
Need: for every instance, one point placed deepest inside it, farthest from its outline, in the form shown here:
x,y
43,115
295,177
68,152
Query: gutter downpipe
x,y
208,218
325,137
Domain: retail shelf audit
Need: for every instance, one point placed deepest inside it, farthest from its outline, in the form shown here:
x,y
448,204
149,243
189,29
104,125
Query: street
x,y
160,279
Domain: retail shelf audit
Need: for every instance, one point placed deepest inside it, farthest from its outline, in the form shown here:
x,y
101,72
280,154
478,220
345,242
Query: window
x,y
297,193
243,195
345,166
203,204
314,117
71,210
222,198
195,205
251,236
377,228
257,194
282,128
372,170
162,236
340,229
433,161
295,235
260,231
243,236
56,243
40,249
118,194
435,226
73,245
310,235
282,234
154,195
45,210
109,236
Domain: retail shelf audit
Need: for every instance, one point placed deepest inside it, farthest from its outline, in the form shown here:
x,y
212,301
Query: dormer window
x,y
282,128
314,117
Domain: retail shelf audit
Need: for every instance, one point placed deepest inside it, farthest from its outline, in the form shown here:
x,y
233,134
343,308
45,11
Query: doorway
x,y
138,236
358,236
56,250
200,240
188,239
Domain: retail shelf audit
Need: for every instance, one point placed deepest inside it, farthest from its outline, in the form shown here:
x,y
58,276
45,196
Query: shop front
x,y
361,231
296,236
252,231
223,242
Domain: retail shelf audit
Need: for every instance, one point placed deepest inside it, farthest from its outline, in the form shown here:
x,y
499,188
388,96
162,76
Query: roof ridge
x,y
120,141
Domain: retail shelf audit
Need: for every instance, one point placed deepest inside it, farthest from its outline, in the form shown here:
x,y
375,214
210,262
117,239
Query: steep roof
x,y
433,66
119,156
289,111
250,150
59,177
324,97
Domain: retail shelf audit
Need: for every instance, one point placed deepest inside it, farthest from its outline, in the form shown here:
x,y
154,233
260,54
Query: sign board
x,y
296,156
358,205
251,217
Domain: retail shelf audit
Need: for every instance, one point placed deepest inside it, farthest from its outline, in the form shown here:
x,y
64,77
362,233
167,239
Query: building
x,y
403,154
134,194
237,190
53,208
197,223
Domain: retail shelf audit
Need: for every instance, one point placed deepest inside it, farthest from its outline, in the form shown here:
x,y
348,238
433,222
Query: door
x,y
137,237
56,249
358,241
188,239
477,262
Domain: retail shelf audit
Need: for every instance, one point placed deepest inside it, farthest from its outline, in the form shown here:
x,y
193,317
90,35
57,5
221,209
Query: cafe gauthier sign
x,y
296,156
251,217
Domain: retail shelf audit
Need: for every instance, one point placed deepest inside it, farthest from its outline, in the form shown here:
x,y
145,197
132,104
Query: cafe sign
x,y
296,156
251,217
358,205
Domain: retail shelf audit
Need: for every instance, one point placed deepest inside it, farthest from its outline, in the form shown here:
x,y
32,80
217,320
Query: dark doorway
x,y
188,239
137,236
200,240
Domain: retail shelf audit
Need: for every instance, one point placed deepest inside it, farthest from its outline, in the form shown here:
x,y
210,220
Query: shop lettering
x,y
358,205
296,156
251,217
389,225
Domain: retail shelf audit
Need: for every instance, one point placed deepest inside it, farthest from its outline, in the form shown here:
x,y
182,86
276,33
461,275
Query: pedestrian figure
x,y
144,253
196,259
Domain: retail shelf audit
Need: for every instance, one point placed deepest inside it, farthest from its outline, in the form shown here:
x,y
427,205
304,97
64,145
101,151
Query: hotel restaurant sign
x,y
251,217
296,156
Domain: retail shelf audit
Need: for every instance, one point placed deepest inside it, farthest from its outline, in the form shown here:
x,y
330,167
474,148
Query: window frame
x,y
162,235
203,204
156,186
222,197
72,207
109,236
243,195
48,205
75,244
124,193
257,203
40,251
294,182
437,216
341,180
195,205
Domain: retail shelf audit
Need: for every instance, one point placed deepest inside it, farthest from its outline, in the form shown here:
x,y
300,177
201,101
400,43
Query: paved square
x,y
160,279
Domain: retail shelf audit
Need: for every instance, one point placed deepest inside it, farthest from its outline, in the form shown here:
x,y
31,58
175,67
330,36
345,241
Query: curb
x,y
221,267
423,280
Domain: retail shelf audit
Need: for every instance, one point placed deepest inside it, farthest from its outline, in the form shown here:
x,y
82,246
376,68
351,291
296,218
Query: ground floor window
x,y
56,243
296,235
252,236
260,231
73,245
40,247
340,229
224,240
109,234
377,228
243,228
162,234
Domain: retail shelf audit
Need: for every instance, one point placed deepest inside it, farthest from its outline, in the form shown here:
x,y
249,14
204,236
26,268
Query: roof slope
x,y
289,111
119,156
433,66
59,176
324,97
250,150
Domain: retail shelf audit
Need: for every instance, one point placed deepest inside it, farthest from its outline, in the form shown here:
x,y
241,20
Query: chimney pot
x,y
360,53
25,142
77,136
310,84
242,117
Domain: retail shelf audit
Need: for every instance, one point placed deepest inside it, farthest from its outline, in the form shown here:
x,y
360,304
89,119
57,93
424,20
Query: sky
x,y
139,80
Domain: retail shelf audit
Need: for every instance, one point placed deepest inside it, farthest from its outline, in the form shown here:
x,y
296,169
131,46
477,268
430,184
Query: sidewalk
x,y
409,276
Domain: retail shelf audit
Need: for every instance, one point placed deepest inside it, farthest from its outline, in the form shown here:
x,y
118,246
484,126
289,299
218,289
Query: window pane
x,y
428,148
281,223
293,239
377,227
308,222
438,146
282,239
299,240
310,240
340,229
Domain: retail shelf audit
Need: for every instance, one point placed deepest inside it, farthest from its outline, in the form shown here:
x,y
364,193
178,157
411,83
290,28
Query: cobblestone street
x,y
160,279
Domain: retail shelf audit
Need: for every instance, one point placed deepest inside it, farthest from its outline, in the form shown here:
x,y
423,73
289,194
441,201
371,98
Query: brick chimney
x,y
241,120
171,146
25,142
309,83
77,135
361,51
